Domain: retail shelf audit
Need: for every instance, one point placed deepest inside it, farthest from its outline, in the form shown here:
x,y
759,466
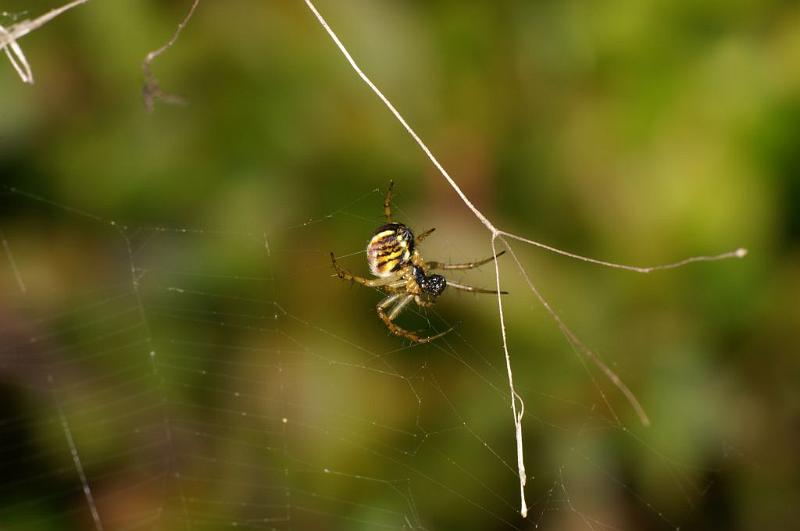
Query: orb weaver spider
x,y
402,273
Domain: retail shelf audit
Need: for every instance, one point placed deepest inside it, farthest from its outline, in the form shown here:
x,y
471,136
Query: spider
x,y
402,273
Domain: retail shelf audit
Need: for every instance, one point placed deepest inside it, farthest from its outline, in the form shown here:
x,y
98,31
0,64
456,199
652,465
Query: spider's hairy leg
x,y
395,329
424,303
468,265
387,202
399,307
388,301
372,283
473,289
387,319
425,234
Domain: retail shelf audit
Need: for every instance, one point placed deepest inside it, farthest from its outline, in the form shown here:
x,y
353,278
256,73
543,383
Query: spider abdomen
x,y
389,249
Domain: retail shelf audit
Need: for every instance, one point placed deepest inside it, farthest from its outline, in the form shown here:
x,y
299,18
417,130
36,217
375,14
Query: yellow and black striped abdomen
x,y
390,248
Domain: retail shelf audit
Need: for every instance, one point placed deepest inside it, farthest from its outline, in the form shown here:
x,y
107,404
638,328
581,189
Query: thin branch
x,y
152,91
738,253
581,348
9,36
523,506
497,233
483,219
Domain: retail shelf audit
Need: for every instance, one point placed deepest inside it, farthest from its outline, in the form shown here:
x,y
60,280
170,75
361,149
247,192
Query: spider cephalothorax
x,y
402,273
431,285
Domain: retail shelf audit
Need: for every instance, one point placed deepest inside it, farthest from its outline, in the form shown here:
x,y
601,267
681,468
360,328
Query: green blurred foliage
x,y
637,132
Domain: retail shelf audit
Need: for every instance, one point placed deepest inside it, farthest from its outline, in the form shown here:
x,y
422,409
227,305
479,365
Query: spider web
x,y
170,389
181,381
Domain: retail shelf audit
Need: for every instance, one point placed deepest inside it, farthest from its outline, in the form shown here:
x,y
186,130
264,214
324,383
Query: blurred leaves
x,y
636,132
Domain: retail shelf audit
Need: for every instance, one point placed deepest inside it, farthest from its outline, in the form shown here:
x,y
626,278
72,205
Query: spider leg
x,y
473,289
388,320
468,265
399,307
387,202
388,301
425,234
372,283
424,304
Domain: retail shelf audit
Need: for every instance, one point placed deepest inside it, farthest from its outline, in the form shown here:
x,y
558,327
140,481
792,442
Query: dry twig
x,y
9,36
152,91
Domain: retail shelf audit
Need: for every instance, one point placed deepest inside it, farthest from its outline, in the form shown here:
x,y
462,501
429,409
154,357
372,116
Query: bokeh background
x,y
170,328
